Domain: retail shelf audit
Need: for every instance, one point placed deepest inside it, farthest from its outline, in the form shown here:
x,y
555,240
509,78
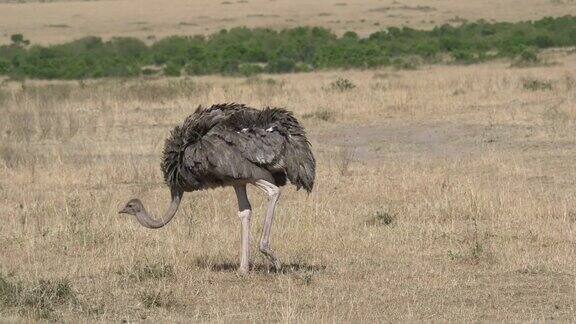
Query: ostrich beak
x,y
123,211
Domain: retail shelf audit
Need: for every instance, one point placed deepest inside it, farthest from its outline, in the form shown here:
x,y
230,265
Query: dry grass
x,y
149,20
445,193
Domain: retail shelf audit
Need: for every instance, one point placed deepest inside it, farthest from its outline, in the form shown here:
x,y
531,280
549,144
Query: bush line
x,y
245,51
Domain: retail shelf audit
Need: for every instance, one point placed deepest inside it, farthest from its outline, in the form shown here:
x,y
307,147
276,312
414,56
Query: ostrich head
x,y
133,207
136,207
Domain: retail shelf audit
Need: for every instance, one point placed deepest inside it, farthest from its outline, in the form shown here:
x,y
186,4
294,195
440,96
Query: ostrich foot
x,y
243,270
267,251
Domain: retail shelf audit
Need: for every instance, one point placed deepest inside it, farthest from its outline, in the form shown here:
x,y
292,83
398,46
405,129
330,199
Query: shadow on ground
x,y
286,268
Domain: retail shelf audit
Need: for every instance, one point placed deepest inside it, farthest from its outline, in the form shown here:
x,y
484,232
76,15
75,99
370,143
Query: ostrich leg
x,y
273,193
244,212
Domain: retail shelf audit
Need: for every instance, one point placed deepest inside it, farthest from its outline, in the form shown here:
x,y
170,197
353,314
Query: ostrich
x,y
234,145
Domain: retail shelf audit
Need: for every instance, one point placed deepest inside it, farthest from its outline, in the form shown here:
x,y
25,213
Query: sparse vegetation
x,y
142,271
153,299
321,114
39,299
256,80
344,158
444,193
341,85
13,156
536,84
408,198
527,58
382,218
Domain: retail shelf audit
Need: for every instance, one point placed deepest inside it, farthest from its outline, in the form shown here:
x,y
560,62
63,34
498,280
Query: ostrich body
x,y
234,145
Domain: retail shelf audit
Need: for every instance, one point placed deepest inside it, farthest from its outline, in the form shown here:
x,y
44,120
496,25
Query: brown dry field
x,y
58,21
442,194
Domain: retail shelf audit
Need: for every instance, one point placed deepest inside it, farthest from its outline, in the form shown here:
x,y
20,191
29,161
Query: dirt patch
x,y
430,140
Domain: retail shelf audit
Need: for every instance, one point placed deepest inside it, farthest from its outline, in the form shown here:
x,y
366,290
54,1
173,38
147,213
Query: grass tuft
x,y
321,114
536,84
155,299
142,271
39,299
382,218
341,85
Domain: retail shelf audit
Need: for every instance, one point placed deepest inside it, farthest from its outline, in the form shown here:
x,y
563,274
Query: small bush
x,y
342,85
529,56
382,218
536,85
18,39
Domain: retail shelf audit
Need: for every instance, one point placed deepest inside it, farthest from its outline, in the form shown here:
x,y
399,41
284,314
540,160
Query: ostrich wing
x,y
252,150
257,145
214,161
275,151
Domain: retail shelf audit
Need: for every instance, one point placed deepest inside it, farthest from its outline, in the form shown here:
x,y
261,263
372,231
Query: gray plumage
x,y
234,145
224,143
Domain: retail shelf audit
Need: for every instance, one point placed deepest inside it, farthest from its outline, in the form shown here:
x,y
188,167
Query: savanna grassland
x,y
443,193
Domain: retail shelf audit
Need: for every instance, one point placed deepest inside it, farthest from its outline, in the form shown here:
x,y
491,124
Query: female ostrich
x,y
234,145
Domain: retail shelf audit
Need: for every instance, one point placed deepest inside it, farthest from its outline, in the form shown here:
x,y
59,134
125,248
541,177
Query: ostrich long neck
x,y
148,221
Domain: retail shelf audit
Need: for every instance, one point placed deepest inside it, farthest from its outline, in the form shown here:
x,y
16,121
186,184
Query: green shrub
x,y
281,65
244,51
231,67
4,67
18,39
196,68
128,47
250,69
172,69
528,57
407,63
